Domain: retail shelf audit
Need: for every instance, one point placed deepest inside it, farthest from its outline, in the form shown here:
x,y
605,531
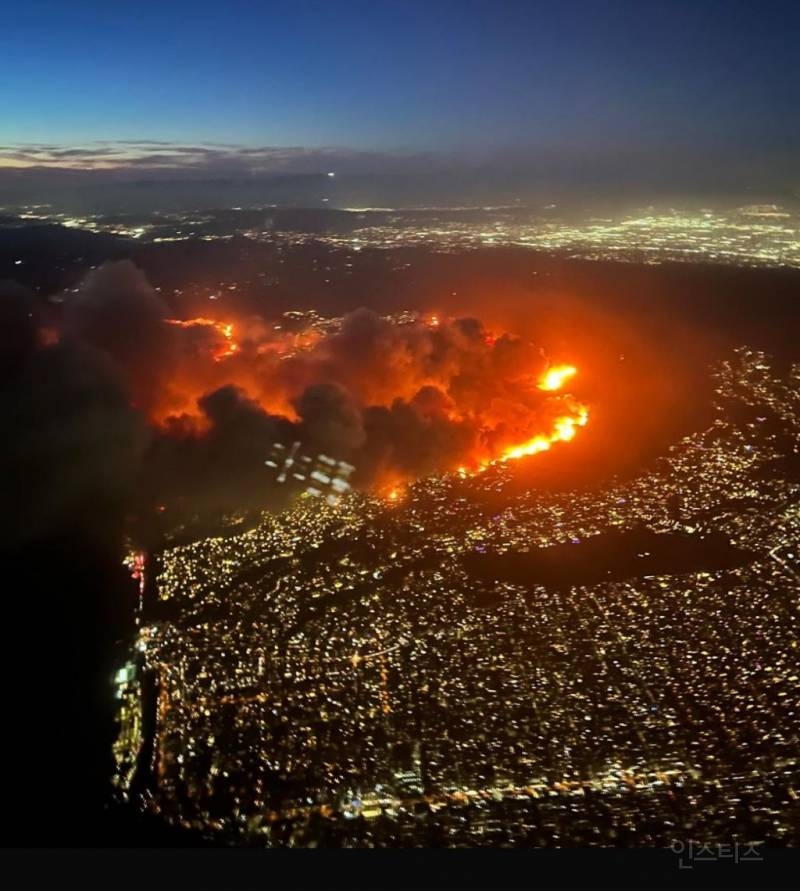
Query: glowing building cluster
x,y
759,235
448,667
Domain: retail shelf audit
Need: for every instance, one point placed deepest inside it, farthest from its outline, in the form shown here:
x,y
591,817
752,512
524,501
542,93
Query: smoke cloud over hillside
x,y
190,408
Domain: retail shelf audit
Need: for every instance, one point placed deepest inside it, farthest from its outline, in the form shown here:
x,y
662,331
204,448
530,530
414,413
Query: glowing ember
x,y
48,336
553,378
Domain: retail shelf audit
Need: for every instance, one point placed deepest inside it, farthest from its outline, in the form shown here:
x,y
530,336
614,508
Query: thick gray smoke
x,y
396,400
71,445
117,311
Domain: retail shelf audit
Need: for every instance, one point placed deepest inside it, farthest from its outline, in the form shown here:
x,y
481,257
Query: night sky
x,y
389,80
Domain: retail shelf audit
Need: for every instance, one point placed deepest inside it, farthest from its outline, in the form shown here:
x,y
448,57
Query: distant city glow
x,y
758,235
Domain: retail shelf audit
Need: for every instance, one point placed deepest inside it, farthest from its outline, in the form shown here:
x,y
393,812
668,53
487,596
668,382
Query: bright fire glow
x,y
553,378
564,427
224,328
510,419
563,431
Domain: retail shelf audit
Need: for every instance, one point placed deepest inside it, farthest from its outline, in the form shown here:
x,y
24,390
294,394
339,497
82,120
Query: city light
x,y
356,622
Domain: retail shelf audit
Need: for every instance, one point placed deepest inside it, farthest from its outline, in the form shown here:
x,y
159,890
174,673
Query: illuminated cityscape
x,y
400,442
449,666
757,235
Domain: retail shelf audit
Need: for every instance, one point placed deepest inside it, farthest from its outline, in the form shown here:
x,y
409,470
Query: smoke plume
x,y
397,397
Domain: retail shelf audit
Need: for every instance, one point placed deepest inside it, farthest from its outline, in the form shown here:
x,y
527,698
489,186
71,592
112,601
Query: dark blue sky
x,y
447,75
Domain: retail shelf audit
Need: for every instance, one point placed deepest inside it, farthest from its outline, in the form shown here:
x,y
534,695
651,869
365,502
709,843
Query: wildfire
x,y
564,427
502,419
563,431
227,333
227,349
392,492
553,378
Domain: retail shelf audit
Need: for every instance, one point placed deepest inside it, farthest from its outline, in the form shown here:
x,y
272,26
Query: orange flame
x,y
190,381
563,430
224,328
554,377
